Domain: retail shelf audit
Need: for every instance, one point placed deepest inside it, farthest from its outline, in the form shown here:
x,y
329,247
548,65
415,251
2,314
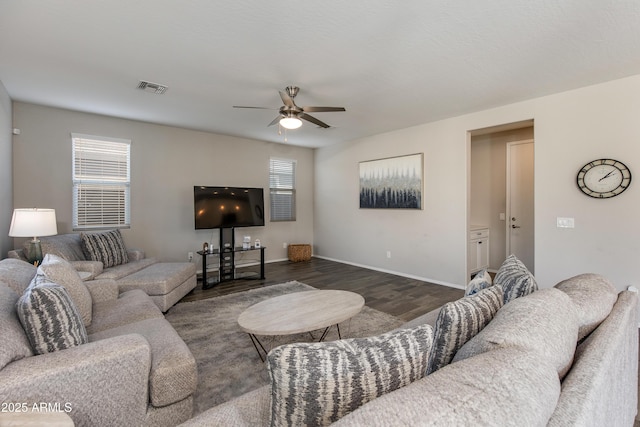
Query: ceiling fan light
x,y
290,122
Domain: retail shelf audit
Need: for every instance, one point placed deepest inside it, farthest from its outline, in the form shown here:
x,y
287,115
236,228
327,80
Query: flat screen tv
x,y
228,207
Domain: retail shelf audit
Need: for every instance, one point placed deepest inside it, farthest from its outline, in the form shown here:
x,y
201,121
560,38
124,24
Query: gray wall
x,y
166,163
6,182
571,129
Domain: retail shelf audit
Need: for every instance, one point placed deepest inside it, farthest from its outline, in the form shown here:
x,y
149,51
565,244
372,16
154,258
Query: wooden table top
x,y
300,312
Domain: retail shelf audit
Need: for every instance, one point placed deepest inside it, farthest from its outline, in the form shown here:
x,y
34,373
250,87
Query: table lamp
x,y
33,222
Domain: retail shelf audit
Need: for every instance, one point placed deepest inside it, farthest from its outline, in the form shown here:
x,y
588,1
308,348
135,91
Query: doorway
x,y
489,206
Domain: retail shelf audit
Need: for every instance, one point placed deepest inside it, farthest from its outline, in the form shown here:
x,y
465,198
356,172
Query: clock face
x,y
604,178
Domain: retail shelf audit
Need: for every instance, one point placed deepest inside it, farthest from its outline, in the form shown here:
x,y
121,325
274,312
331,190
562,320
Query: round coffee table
x,y
299,312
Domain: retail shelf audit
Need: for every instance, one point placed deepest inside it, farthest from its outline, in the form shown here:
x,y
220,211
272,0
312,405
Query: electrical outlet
x,y
190,256
284,245
388,254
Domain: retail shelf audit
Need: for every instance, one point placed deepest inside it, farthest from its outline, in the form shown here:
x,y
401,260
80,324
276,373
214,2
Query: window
x,y
101,182
282,189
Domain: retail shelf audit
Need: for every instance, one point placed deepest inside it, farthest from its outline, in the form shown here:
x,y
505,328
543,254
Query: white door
x,y
520,203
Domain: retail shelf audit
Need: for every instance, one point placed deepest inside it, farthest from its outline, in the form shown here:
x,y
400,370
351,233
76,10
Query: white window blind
x,y
282,189
101,182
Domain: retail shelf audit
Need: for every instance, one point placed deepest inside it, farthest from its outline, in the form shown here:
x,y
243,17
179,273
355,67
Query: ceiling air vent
x,y
152,87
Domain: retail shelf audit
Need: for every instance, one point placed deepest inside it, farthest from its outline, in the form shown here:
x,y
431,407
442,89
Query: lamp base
x,y
34,252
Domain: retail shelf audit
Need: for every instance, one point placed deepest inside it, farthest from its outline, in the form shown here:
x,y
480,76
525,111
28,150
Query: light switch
x,y
502,216
565,222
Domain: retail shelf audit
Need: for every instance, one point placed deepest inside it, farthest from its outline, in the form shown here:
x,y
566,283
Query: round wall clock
x,y
604,178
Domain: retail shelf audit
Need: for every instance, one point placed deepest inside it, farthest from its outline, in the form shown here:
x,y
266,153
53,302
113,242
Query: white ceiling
x,y
391,64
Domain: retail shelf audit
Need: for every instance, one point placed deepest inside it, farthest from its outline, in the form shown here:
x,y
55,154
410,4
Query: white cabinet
x,y
478,249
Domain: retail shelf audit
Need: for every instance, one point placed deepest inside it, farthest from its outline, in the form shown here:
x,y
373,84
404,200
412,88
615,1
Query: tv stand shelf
x,y
227,265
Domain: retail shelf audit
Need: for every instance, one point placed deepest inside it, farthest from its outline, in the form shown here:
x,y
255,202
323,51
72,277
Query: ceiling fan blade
x,y
275,121
258,108
313,120
286,99
321,109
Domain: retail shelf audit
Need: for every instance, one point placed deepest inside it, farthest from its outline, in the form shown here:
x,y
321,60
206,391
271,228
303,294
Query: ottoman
x,y
165,282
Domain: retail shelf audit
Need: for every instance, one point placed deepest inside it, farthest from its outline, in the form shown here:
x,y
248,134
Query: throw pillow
x,y
61,272
479,282
49,317
594,297
459,321
515,279
318,383
66,246
544,323
107,247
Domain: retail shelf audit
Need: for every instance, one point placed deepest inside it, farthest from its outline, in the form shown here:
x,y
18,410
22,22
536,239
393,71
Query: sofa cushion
x,y
505,387
123,270
107,247
459,321
173,374
249,409
16,274
318,383
158,279
479,282
67,246
544,323
515,279
594,297
131,306
15,344
61,272
49,317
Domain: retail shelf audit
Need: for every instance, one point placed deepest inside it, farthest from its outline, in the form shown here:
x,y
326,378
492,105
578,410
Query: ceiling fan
x,y
290,114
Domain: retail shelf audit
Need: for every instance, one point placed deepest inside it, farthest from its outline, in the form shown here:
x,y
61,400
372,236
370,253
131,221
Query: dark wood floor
x,y
399,296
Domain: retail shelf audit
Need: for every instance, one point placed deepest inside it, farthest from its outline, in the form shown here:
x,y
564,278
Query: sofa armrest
x,y
135,254
100,383
93,267
102,290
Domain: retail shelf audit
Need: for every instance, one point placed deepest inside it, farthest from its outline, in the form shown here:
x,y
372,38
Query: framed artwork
x,y
391,183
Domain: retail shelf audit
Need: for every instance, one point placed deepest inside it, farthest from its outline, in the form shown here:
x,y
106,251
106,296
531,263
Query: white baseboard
x,y
397,273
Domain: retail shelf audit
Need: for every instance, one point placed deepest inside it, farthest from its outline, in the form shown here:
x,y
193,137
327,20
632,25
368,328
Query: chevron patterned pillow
x,y
49,317
480,281
107,247
515,279
318,383
461,320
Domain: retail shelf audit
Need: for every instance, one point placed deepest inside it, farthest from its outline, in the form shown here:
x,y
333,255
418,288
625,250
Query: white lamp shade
x,y
290,122
33,222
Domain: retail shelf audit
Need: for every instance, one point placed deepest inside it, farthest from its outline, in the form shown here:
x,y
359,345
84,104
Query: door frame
x,y
508,195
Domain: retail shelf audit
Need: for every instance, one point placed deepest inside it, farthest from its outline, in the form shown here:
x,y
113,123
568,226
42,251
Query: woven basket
x,y
299,253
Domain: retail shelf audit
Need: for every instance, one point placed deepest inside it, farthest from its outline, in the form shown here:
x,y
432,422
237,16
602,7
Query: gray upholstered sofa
x,y
165,282
563,356
134,370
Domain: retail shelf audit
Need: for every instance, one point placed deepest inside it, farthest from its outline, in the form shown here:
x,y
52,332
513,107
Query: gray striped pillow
x,y
315,384
49,317
461,320
515,279
479,282
107,247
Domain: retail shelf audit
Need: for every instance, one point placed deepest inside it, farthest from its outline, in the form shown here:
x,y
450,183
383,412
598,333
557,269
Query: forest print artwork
x,y
392,183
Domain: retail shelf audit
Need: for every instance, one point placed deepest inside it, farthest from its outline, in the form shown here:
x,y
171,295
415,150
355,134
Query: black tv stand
x,y
227,265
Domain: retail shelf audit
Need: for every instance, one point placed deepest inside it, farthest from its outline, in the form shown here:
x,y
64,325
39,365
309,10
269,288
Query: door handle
x,y
515,226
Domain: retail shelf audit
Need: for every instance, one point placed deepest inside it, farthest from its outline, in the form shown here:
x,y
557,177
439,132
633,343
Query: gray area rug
x,y
228,364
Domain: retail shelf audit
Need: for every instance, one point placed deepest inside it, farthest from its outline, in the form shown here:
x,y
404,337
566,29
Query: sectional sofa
x,y
104,255
107,359
512,356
